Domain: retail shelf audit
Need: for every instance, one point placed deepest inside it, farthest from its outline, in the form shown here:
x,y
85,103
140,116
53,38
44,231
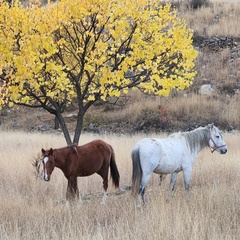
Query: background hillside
x,y
217,37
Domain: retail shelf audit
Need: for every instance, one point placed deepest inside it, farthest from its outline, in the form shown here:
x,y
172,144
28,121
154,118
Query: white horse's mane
x,y
196,138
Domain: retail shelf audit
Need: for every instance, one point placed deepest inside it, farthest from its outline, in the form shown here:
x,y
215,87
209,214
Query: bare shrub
x,y
36,163
195,4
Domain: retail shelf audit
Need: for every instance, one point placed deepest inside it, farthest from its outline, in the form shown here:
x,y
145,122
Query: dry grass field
x,y
33,209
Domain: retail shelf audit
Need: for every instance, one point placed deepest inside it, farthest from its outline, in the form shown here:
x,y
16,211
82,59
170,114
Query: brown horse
x,y
80,161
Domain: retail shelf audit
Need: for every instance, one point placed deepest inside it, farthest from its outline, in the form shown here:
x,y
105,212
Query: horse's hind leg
x,y
72,189
104,174
141,194
105,187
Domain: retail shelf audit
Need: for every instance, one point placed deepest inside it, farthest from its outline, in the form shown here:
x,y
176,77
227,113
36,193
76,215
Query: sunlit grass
x,y
33,209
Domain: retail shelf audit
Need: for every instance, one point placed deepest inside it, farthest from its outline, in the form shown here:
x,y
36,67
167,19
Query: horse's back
x,y
89,158
148,150
149,145
162,155
95,145
167,145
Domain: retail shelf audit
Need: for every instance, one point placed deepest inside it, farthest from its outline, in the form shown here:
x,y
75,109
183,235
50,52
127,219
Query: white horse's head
x,y
216,142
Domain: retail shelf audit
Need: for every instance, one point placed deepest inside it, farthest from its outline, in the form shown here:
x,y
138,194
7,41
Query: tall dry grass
x,y
179,112
199,108
33,209
221,18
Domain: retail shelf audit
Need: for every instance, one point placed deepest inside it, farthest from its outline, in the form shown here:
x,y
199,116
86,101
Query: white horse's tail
x,y
136,171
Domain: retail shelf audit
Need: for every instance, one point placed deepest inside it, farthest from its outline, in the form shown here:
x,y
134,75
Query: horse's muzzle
x,y
223,151
47,178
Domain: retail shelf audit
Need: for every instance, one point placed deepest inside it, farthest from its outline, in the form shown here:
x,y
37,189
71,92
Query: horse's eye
x,y
217,136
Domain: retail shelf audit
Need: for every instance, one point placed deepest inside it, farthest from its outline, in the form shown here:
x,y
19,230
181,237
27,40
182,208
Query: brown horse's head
x,y
48,163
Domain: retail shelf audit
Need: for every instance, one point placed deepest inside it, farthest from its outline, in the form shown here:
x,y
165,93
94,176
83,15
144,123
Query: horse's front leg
x,y
72,189
162,177
186,176
172,184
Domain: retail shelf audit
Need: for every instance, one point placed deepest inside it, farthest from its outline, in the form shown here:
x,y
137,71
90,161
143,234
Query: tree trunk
x,y
78,128
64,128
56,123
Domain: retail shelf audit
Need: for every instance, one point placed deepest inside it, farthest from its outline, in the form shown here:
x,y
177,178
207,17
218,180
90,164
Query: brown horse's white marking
x,y
80,161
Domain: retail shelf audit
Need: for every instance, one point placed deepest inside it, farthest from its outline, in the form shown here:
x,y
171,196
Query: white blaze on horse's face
x,y
48,166
46,177
216,141
45,160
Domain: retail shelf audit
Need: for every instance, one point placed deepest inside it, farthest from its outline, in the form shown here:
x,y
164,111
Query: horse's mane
x,y
74,147
66,149
195,138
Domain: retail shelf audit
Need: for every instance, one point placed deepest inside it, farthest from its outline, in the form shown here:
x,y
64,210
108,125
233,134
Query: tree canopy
x,y
89,50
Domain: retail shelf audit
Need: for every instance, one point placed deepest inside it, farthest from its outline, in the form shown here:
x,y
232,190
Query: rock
x,y
44,127
214,43
71,115
206,89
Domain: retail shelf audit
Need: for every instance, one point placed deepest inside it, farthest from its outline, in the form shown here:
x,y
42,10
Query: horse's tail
x,y
136,171
113,169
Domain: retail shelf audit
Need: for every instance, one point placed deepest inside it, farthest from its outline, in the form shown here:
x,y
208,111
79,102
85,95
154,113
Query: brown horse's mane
x,y
74,147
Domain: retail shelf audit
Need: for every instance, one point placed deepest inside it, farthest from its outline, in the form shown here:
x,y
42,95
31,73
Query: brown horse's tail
x,y
114,170
136,172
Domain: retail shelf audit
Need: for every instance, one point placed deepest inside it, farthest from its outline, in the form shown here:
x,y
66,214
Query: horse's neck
x,y
197,140
60,158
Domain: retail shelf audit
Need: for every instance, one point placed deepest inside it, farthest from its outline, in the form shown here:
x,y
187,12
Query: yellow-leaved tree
x,y
90,50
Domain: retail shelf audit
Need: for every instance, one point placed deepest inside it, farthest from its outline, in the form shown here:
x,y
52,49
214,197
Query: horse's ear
x,y
43,151
210,126
50,151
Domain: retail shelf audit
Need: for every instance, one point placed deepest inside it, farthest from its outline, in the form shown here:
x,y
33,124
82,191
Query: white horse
x,y
171,155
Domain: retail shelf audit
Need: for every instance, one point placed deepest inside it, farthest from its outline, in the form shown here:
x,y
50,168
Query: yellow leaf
x,y
10,104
